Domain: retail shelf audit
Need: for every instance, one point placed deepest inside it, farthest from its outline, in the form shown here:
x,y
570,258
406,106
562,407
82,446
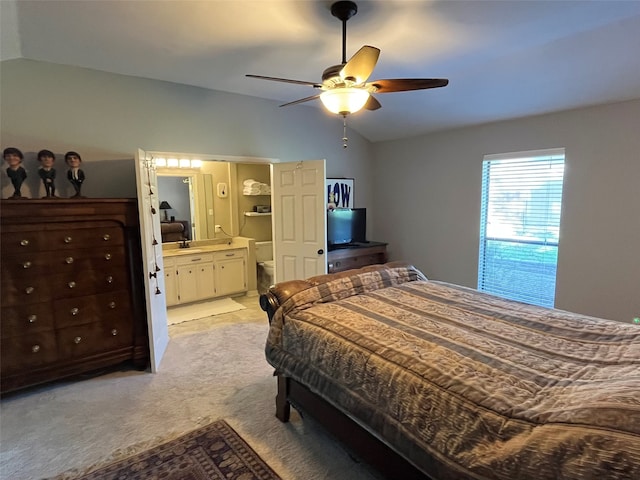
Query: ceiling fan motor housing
x,y
331,76
344,10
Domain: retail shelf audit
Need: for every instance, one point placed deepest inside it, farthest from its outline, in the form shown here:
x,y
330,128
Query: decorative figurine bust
x,y
15,171
75,174
47,172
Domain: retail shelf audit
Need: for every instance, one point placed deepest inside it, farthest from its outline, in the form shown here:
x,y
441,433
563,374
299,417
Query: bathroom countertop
x,y
176,251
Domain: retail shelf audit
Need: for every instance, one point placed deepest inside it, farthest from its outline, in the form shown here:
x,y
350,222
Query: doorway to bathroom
x,y
298,232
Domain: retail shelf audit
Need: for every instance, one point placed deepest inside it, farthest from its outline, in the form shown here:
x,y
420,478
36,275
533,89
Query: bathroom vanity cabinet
x,y
204,274
230,269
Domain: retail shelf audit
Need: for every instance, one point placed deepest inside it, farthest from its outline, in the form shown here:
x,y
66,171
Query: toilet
x,y
264,257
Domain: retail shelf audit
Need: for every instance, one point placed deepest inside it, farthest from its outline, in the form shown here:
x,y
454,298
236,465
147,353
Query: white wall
x,y
106,117
423,194
428,189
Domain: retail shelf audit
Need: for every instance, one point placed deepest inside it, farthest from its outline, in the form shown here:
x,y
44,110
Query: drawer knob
x,y
74,311
24,243
77,340
68,239
107,256
26,264
35,348
32,318
72,284
109,279
68,260
29,290
106,237
112,305
114,332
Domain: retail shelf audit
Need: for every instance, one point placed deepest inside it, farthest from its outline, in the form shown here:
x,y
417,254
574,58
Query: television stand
x,y
356,256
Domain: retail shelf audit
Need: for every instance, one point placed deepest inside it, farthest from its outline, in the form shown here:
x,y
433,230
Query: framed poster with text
x,y
340,192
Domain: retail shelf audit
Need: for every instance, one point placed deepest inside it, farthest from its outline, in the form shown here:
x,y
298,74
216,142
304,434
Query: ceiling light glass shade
x,y
344,101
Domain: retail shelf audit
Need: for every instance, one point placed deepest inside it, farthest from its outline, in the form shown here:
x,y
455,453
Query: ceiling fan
x,y
344,87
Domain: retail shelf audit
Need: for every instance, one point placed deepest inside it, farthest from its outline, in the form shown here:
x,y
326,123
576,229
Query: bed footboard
x,y
360,442
283,407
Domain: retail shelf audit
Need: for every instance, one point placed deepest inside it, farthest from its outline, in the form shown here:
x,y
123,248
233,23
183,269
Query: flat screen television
x,y
346,226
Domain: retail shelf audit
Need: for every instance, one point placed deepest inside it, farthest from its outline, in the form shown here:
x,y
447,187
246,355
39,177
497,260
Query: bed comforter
x,y
464,384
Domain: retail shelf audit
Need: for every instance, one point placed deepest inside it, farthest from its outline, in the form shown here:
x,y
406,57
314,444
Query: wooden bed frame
x,y
363,444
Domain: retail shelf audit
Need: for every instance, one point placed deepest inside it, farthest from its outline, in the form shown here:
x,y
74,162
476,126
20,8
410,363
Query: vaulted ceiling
x,y
504,59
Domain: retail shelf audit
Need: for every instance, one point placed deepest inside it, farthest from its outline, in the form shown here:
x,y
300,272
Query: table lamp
x,y
164,205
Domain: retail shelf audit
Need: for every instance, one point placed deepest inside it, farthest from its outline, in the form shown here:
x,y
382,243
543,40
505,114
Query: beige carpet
x,y
213,369
200,310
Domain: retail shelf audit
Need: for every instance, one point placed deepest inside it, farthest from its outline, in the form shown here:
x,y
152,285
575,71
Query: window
x,y
520,225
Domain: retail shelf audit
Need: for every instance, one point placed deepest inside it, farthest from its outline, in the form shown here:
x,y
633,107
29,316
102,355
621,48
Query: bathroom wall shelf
x,y
256,214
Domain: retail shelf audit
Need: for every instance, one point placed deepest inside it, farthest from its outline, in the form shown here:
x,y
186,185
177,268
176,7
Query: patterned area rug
x,y
214,452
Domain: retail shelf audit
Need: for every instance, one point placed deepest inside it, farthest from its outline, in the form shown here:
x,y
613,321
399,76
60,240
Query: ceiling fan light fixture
x,y
343,101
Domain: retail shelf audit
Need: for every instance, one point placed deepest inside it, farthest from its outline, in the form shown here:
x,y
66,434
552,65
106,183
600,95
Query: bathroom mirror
x,y
190,194
212,195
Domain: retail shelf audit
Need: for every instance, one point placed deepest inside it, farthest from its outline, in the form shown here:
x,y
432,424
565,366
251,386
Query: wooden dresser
x,y
355,257
72,289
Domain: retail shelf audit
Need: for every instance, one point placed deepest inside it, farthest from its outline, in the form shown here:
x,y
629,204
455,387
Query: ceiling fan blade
x,y
361,65
302,100
286,80
406,84
372,103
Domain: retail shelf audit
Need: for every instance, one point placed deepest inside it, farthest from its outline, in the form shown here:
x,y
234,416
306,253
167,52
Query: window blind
x,y
520,225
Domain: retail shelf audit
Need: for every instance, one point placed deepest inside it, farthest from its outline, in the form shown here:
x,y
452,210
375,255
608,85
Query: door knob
x,y
320,252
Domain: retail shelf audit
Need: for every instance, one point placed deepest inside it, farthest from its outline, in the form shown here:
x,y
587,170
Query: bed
x,y
433,380
173,232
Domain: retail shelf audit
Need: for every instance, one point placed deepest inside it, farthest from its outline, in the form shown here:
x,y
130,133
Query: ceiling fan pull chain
x,y
344,132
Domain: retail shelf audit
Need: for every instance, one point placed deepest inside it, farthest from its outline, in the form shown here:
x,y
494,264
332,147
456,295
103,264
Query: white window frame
x,y
520,217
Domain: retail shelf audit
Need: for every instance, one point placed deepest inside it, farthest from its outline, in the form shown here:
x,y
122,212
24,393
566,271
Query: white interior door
x,y
151,239
299,219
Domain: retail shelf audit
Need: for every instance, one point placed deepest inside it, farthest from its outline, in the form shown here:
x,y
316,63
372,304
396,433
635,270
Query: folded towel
x,y
253,187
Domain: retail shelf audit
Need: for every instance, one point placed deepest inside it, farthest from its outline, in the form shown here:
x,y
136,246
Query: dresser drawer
x,y
91,309
28,351
31,263
355,262
192,259
26,319
89,258
82,340
81,283
23,241
227,254
349,258
25,290
60,236
27,268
